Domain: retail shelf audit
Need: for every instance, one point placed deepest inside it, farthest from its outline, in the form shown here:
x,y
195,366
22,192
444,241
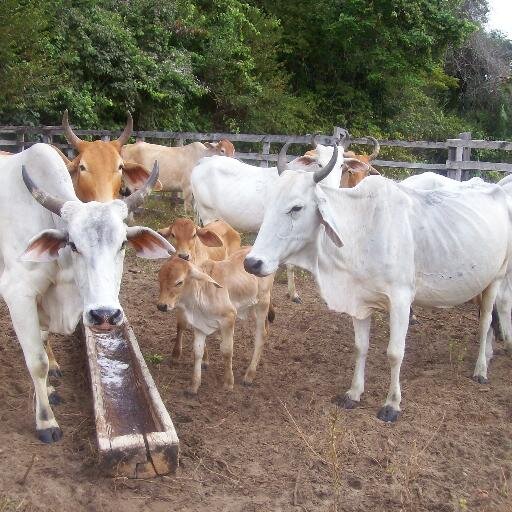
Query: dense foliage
x,y
402,68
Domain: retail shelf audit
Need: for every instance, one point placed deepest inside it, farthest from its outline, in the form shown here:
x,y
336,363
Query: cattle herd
x,y
370,243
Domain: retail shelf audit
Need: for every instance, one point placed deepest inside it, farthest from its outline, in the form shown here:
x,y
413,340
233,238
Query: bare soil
x,y
280,445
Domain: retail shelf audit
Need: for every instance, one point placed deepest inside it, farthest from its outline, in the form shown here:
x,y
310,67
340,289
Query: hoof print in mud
x,y
345,402
480,379
388,414
49,435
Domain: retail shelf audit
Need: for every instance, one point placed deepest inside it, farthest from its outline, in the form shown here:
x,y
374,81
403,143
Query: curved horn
x,y
50,202
127,132
282,161
324,171
137,198
376,148
71,136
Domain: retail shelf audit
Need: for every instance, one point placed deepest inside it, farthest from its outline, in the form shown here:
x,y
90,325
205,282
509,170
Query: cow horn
x,y
324,171
50,202
137,198
282,160
376,148
127,132
71,136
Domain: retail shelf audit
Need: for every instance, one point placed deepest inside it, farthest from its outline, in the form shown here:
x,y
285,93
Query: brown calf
x,y
211,296
216,241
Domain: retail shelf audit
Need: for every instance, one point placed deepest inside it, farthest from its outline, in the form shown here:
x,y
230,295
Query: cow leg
x,y
227,330
292,291
261,310
398,324
199,343
54,368
181,325
25,321
504,310
362,341
488,299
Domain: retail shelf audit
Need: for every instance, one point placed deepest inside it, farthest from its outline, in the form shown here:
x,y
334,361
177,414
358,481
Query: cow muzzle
x,y
105,319
253,266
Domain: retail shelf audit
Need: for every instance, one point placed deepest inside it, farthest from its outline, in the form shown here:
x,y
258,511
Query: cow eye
x,y
72,246
295,209
81,167
121,167
179,283
194,235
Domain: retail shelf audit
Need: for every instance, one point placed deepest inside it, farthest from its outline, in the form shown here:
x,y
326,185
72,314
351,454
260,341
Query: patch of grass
x,y
153,358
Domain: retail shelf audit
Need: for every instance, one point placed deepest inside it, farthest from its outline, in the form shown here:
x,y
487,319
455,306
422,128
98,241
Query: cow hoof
x,y
297,299
49,435
346,402
413,321
55,399
204,365
190,393
480,379
55,373
247,383
388,414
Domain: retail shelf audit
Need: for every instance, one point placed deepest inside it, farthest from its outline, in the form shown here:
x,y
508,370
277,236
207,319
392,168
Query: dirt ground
x,y
280,445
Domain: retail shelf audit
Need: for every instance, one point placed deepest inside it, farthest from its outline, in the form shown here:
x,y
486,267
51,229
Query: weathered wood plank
x,y
136,436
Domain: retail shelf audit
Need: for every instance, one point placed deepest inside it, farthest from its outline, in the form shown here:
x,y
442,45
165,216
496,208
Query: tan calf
x,y
216,241
176,163
211,296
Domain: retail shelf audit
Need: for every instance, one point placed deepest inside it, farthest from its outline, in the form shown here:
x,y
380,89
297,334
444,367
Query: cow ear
x,y
209,238
165,232
211,145
148,243
45,246
136,176
327,219
198,275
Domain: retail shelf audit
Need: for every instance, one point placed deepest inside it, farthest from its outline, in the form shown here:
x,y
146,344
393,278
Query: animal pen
x,y
457,165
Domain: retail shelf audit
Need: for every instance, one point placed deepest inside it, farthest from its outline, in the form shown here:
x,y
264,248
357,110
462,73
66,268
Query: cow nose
x,y
184,256
252,265
162,307
104,316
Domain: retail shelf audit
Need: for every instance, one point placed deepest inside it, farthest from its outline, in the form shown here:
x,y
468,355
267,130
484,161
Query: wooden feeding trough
x,y
136,437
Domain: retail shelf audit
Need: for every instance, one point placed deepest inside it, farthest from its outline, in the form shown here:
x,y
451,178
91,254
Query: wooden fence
x,y
458,160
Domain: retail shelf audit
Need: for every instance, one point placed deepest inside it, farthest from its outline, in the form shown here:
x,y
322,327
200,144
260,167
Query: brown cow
x,y
215,241
176,163
98,168
211,296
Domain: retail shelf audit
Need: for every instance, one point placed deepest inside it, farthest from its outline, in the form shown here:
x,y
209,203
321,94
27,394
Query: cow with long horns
x,y
236,192
61,259
386,246
98,169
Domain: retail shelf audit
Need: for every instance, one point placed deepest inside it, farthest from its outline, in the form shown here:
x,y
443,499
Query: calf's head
x,y
224,148
173,277
98,169
294,215
96,236
185,233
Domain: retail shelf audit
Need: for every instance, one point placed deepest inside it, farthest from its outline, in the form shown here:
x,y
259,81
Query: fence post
x,y
20,139
466,154
105,138
454,155
265,151
47,137
179,142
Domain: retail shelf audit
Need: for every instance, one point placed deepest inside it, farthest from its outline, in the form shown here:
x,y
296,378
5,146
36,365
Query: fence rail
x,y
458,150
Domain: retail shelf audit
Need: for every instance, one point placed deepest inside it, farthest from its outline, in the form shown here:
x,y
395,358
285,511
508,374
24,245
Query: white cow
x,y
236,192
382,245
61,259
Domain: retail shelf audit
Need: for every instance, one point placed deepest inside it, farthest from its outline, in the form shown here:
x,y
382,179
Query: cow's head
x,y
184,233
293,217
174,277
224,148
96,236
98,169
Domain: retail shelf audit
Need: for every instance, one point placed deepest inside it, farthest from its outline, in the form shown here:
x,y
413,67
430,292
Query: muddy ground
x,y
280,445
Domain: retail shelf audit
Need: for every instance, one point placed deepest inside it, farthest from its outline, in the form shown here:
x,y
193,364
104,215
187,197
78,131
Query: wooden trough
x,y
136,437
